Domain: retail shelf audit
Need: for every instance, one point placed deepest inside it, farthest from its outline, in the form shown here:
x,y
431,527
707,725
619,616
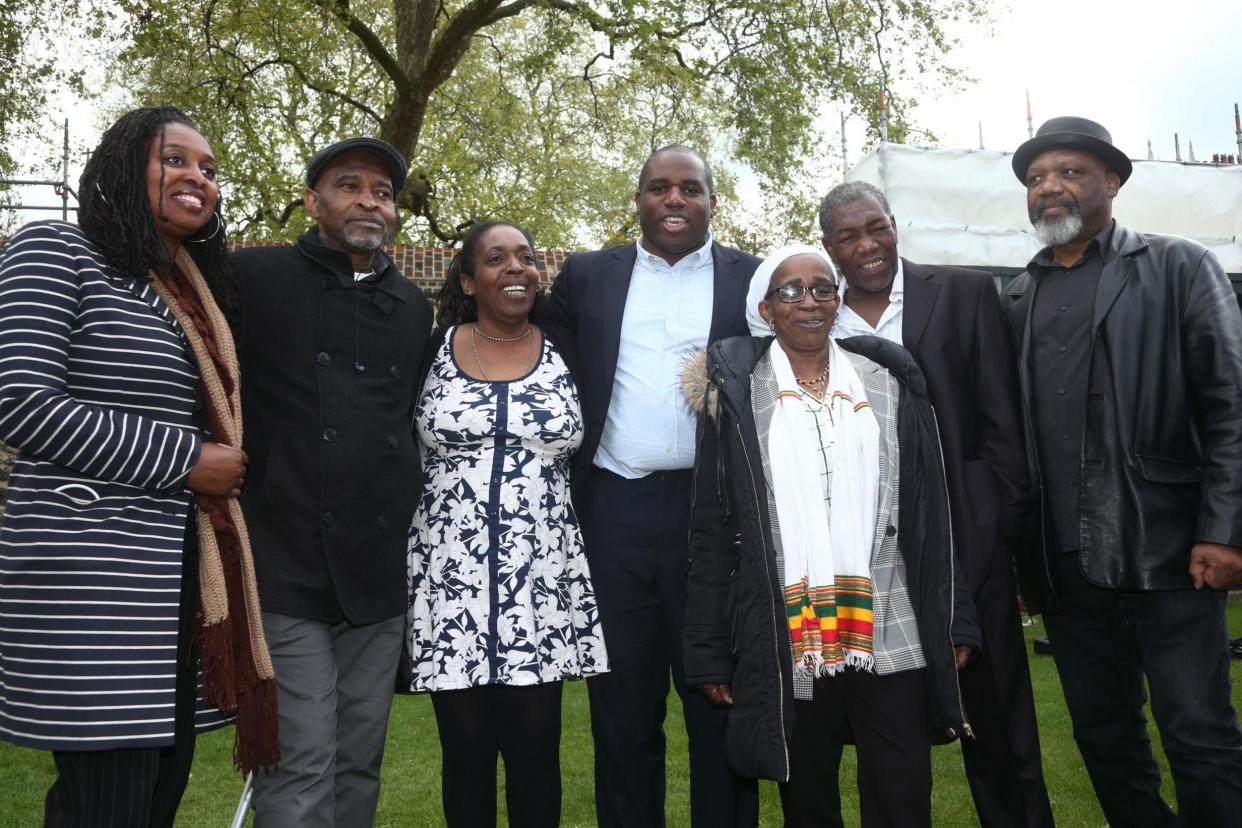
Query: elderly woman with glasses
x,y
824,607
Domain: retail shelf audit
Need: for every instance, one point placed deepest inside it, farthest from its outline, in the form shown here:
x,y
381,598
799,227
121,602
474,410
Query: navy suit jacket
x,y
588,302
953,325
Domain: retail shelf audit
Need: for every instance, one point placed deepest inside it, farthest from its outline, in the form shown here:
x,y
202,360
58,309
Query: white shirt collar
x,y
896,293
695,259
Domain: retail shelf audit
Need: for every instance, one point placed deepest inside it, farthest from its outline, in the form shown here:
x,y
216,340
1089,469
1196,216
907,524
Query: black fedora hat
x,y
1069,132
384,151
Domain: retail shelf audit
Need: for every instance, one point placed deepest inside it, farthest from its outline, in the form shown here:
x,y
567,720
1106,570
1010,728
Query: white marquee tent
x,y
966,207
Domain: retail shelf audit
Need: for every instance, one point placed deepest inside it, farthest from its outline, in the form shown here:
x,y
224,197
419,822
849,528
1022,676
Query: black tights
x,y
522,724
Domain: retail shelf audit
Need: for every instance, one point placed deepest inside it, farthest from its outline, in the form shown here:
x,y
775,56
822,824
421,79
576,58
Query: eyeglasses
x,y
794,293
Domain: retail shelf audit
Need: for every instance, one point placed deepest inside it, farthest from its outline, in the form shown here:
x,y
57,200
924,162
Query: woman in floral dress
x,y
501,604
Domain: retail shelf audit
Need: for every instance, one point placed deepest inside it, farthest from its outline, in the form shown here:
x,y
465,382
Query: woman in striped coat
x,y
112,369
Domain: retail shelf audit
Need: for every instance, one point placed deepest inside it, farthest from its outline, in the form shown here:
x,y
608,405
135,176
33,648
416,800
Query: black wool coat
x,y
330,371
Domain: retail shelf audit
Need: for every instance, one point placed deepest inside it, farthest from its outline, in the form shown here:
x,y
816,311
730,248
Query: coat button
x,y
327,519
359,367
323,358
392,441
891,530
952,733
381,522
329,434
394,370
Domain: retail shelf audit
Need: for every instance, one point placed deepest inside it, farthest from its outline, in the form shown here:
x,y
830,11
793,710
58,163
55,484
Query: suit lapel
x,y
725,319
612,294
920,297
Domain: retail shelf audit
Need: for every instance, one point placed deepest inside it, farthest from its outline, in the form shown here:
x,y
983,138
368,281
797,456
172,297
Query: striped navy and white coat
x,y
97,391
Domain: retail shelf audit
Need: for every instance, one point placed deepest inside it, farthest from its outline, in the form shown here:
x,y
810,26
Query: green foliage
x,y
32,66
538,111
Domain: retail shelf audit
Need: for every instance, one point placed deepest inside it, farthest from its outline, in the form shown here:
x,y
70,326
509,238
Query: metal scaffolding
x,y
61,187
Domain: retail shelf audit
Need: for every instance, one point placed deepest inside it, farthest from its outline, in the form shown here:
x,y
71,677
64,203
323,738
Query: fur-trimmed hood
x,y
702,390
697,386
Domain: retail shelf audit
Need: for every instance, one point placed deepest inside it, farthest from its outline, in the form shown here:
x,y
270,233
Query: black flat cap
x,y
1069,132
384,151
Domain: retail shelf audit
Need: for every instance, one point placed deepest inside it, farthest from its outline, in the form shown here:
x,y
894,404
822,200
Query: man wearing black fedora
x,y
1130,357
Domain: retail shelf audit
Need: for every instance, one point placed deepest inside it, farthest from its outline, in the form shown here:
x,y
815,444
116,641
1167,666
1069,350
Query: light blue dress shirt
x,y
667,317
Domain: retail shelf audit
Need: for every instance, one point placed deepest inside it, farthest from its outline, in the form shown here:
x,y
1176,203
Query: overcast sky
x,y
1143,69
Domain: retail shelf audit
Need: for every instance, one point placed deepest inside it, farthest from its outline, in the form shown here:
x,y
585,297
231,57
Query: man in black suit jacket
x,y
634,313
950,320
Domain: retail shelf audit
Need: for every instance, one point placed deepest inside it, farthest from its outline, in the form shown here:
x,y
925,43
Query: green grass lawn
x,y
411,791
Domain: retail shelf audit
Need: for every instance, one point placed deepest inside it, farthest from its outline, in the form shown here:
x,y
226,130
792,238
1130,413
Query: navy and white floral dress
x,y
500,592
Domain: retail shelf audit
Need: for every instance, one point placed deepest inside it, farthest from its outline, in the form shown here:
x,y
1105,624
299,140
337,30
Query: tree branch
x,y
290,208
249,71
370,41
599,23
454,235
323,90
451,44
509,10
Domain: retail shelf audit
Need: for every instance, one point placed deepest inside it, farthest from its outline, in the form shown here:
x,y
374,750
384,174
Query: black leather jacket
x,y
736,631
1162,438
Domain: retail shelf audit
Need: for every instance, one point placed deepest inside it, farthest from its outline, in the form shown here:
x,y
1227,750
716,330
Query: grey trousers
x,y
334,687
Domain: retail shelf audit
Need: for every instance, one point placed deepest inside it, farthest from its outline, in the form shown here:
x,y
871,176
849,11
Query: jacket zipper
x,y
944,480
776,643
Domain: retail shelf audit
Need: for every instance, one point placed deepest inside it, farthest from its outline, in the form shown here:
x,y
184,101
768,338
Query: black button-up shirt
x,y
1061,350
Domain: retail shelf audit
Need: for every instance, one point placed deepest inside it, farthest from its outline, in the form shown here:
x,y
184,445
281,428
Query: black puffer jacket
x,y
736,631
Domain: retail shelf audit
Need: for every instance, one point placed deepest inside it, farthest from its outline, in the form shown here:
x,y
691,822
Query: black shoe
x,y
1235,647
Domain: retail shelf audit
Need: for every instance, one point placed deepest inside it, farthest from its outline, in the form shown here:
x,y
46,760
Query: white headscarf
x,y
763,275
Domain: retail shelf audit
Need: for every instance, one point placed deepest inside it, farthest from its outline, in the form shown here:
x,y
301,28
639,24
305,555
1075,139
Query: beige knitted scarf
x,y
237,669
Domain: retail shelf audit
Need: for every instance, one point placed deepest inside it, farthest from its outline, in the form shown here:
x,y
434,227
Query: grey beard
x,y
364,242
1057,233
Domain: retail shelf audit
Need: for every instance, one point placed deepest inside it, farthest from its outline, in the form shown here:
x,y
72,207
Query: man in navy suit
x,y
635,313
950,320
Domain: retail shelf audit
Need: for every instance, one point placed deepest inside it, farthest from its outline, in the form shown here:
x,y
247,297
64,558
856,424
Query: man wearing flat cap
x,y
1130,356
330,336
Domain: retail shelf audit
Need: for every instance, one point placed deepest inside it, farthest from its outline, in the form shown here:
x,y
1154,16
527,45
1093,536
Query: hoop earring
x,y
214,233
99,190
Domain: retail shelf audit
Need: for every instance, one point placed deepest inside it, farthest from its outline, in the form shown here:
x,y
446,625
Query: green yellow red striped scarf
x,y
831,622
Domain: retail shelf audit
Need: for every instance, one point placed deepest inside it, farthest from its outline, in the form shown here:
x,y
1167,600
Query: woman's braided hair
x,y
114,209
